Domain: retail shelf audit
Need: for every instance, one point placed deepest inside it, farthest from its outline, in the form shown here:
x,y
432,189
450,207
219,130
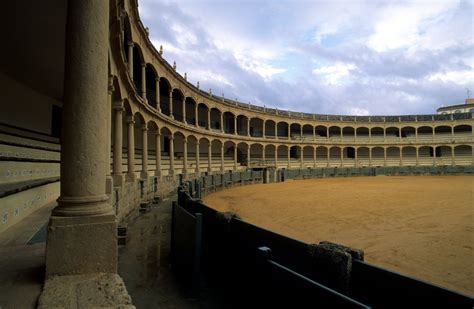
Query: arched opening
x,y
443,132
190,111
204,155
408,132
463,155
270,151
138,62
463,131
178,98
321,156
335,156
308,156
165,151
425,154
242,153
215,119
151,78
348,133
282,156
192,154
321,131
295,131
127,36
362,133
409,156
216,147
270,129
335,132
393,156
256,155
363,156
202,115
392,133
165,89
229,164
229,123
443,155
282,130
242,125
377,156
256,127
425,133
376,133
308,131
179,140
151,137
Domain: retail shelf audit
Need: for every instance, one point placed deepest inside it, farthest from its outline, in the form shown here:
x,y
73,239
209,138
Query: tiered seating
x,y
29,173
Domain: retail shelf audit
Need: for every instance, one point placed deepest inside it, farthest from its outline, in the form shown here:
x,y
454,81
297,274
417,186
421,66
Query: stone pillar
x,y
370,155
157,95
453,162
356,157
109,181
144,82
82,228
235,125
171,104
131,149
276,156
158,153
276,130
248,126
222,157
248,156
198,168
288,156
452,132
384,135
171,172
314,156
184,110
328,156
314,133
384,155
118,141
263,129
401,156
144,173
370,134
209,158
434,154
263,154
289,131
342,156
301,132
341,136
416,134
433,133
185,157
417,156
301,157
196,115
327,133
222,122
130,59
209,119
235,158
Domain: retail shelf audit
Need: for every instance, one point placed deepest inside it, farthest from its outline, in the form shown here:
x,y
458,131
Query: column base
x,y
118,180
109,185
81,245
144,175
131,177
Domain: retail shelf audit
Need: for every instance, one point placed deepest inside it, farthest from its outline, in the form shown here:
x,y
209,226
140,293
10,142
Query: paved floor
x,y
22,264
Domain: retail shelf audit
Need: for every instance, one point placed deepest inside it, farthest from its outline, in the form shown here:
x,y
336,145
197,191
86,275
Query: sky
x,y
326,57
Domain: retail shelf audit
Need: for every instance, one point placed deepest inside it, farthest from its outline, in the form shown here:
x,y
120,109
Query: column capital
x,y
130,43
118,106
157,79
130,120
110,86
157,133
144,127
171,137
143,65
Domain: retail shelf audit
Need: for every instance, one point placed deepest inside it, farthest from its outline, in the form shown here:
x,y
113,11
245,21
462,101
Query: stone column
x,y
434,155
198,168
248,126
356,157
342,156
263,129
417,156
301,132
144,173
82,228
130,59
185,157
209,119
453,162
416,135
341,136
196,115
158,153
327,133
248,156
184,110
235,158
209,158
384,135
314,156
289,131
288,156
222,122
131,149
433,133
109,181
157,95
370,155
301,157
171,172
276,156
384,156
222,157
276,130
144,82
328,156
171,104
235,125
314,133
401,156
118,141
263,154
452,132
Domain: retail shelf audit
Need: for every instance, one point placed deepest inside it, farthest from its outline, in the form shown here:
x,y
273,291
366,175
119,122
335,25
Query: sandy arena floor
x,y
420,226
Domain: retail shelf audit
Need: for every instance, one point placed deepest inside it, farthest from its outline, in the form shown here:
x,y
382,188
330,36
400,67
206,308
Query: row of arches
x,y
158,92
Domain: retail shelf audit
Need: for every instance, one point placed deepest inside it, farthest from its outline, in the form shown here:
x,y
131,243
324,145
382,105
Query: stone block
x,y
81,245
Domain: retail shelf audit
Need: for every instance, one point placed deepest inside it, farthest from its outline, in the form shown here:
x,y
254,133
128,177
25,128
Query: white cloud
x,y
357,111
458,77
336,73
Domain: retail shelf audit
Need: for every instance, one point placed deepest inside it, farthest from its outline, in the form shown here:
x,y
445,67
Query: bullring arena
x,y
84,164
417,225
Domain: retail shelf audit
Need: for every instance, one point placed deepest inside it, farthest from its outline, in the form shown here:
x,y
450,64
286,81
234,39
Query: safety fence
x,y
249,265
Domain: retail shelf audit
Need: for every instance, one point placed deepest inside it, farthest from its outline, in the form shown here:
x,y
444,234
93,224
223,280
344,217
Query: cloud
x,y
335,57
